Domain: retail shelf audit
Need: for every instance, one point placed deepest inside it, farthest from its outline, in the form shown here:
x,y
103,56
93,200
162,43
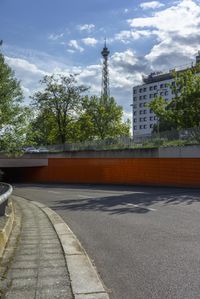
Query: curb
x,y
85,281
6,230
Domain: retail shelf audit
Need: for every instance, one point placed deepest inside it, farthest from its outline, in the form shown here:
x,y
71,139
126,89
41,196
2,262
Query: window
x,y
135,128
166,85
151,111
144,97
161,85
135,113
155,87
166,92
140,97
141,126
155,94
134,106
135,99
144,89
151,118
142,104
151,95
140,90
155,117
135,120
145,111
134,91
143,119
151,126
145,126
161,93
151,88
141,111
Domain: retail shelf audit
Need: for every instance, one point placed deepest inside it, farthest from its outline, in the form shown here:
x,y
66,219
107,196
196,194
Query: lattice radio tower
x,y
105,90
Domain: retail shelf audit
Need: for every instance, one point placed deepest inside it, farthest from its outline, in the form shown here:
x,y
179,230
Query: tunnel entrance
x,y
17,174
12,175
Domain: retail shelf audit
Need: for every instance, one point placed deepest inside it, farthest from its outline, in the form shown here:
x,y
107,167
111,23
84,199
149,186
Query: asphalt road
x,y
144,241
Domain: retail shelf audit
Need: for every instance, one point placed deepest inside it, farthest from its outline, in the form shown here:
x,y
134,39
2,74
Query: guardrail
x,y
5,192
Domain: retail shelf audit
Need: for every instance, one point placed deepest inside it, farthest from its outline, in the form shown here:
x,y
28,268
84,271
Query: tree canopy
x,y
66,114
101,118
183,111
13,116
59,102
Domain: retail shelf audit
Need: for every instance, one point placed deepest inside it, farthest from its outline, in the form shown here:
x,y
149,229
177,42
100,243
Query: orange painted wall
x,y
144,171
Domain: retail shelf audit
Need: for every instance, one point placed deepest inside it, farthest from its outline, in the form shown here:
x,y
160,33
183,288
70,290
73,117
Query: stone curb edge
x,y
6,230
85,281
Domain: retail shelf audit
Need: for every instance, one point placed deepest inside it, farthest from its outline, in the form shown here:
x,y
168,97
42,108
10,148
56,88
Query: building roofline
x,y
166,75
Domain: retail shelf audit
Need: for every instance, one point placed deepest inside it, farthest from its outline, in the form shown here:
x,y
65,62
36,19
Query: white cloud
x,y
182,18
91,76
177,30
26,91
86,27
74,44
28,73
126,36
18,63
71,51
151,5
122,58
123,73
126,10
55,37
89,41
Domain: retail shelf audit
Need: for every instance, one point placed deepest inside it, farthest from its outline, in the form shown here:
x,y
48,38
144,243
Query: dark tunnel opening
x,y
17,174
12,175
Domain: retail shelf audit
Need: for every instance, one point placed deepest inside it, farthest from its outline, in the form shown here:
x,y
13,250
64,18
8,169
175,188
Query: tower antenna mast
x,y
105,90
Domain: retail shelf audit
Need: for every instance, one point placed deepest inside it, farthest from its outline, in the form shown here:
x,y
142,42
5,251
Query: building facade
x,y
153,85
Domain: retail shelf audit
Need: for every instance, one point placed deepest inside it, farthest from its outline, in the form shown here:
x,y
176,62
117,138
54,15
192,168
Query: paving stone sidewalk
x,y
33,265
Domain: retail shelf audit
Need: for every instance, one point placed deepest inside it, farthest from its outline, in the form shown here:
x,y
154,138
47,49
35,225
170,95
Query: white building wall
x,y
143,117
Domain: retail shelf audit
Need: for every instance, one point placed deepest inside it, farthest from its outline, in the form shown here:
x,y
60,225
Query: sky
x,y
42,37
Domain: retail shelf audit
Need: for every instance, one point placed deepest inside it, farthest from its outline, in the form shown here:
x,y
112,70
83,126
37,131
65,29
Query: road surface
x,y
145,241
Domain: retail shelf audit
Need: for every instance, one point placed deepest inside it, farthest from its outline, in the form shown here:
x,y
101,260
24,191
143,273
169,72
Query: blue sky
x,y
45,36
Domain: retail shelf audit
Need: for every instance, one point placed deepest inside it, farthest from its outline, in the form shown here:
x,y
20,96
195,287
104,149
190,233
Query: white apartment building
x,y
153,85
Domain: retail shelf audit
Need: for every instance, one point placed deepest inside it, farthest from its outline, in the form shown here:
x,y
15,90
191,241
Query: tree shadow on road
x,y
127,199
135,202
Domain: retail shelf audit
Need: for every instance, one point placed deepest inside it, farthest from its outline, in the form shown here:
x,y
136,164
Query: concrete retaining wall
x,y
6,228
171,166
41,159
143,171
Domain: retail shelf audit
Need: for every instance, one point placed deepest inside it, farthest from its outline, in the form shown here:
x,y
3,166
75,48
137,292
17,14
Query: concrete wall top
x,y
190,151
22,162
180,152
41,159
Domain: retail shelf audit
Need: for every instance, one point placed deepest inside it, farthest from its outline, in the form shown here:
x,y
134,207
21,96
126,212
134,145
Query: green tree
x,y
42,129
61,99
13,116
183,111
101,118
